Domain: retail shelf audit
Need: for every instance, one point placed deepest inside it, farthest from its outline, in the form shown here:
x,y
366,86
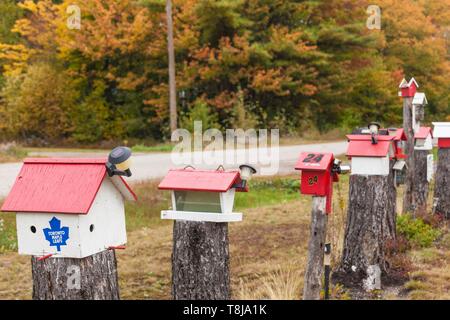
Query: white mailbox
x,y
202,195
68,207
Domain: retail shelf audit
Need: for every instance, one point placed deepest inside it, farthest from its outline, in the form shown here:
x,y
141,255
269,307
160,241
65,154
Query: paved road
x,y
155,165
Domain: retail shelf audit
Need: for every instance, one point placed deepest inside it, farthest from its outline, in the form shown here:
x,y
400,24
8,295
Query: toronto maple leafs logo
x,y
56,235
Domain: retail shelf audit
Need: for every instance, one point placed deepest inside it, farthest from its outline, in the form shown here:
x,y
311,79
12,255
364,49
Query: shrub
x,y
417,231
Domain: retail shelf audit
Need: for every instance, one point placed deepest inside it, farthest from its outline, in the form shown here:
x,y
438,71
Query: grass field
x,y
268,249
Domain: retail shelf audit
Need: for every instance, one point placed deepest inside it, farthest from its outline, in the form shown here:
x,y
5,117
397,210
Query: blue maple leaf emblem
x,y
56,235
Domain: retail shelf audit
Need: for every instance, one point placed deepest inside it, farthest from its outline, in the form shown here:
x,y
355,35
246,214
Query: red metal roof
x,y
199,180
361,146
315,161
59,186
400,135
423,133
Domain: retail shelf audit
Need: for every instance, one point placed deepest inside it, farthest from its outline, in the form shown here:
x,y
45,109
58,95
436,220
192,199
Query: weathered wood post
x,y
202,204
319,171
70,219
407,91
316,246
369,219
442,180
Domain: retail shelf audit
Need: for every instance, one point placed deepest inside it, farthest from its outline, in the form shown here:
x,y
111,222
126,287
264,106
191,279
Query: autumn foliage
x,y
293,65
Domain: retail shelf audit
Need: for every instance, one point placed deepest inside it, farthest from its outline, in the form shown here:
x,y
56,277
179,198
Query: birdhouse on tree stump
x,y
202,206
68,208
408,89
204,195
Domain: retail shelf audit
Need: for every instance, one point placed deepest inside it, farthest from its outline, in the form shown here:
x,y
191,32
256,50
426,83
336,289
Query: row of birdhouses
x,y
75,207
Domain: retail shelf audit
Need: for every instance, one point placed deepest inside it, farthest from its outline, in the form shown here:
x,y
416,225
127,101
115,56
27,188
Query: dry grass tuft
x,y
285,283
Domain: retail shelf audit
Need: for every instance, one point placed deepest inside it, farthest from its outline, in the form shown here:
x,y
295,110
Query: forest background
x,y
301,66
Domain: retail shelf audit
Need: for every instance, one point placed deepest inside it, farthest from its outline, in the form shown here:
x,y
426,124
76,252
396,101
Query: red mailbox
x,y
317,175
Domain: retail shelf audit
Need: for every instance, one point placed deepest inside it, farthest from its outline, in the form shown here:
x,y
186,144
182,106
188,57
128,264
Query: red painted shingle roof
x,y
423,133
199,180
361,146
59,186
310,164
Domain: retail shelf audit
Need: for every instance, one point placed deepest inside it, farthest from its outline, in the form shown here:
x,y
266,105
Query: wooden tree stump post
x,y
314,268
200,261
442,183
420,179
369,226
91,278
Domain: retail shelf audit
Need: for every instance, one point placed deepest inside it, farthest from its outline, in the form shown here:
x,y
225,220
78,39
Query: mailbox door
x,y
315,182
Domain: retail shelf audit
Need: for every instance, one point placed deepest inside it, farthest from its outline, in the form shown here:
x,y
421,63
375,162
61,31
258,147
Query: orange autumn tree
x,y
297,65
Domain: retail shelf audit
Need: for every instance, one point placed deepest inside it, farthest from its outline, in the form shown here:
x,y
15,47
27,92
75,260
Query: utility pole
x,y
172,84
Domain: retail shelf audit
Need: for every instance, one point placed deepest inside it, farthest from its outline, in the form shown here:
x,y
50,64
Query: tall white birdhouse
x,y
423,139
68,208
442,133
418,110
204,195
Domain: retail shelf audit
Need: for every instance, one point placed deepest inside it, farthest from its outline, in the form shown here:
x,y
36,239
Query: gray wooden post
x,y
172,75
409,151
91,278
314,267
200,261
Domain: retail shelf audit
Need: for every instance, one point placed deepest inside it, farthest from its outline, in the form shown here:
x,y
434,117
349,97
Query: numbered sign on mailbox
x,y
317,175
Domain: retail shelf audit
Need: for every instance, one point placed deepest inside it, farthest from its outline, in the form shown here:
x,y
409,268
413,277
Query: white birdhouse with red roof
x,y
205,195
70,208
423,139
370,154
442,133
